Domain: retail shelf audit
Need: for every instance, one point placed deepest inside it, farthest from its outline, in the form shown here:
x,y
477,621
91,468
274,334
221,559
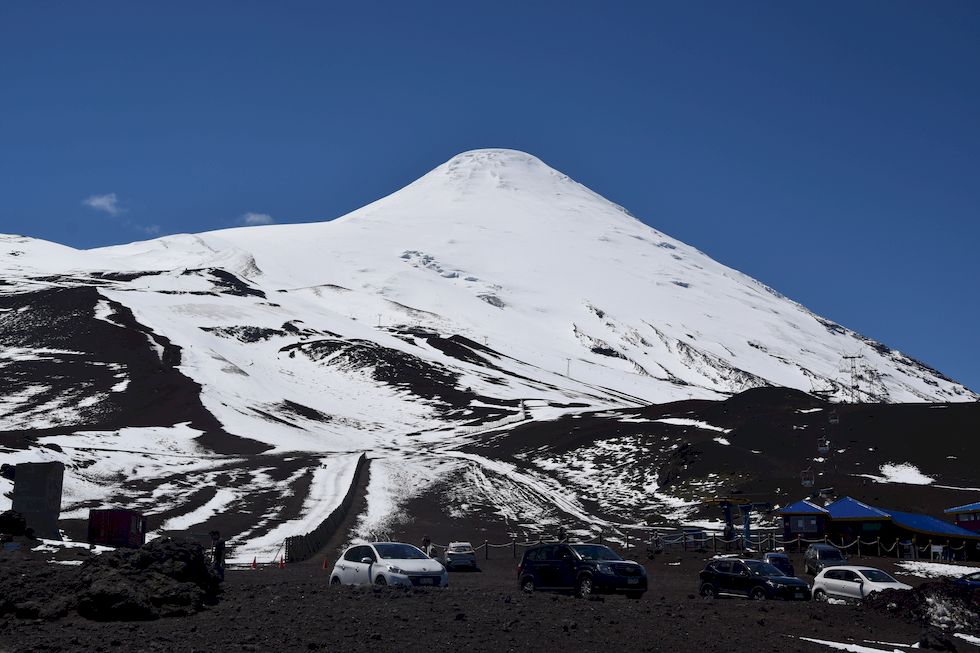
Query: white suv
x,y
388,563
852,582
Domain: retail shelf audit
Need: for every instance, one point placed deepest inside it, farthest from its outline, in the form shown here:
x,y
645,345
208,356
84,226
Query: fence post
x,y
486,550
513,544
714,543
627,541
600,536
799,544
879,546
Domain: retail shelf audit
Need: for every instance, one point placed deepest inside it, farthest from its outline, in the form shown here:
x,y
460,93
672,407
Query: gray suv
x,y
821,556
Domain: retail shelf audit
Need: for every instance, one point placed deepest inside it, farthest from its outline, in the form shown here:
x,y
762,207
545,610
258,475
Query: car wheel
x,y
634,595
380,580
585,587
708,591
335,581
757,594
819,595
527,584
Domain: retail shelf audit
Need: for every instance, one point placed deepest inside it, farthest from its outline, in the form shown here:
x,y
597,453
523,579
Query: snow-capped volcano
x,y
490,281
497,246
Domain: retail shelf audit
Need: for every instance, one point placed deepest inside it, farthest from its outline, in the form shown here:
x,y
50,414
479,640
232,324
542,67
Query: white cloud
x,y
252,219
108,203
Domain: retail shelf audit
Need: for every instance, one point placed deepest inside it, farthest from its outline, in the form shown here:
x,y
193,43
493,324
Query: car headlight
x,y
395,570
604,568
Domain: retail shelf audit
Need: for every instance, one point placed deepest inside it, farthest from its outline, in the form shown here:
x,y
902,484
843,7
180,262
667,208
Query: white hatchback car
x,y
853,582
388,563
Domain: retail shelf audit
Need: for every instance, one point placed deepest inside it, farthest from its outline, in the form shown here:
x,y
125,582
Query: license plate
x,y
632,581
425,581
798,595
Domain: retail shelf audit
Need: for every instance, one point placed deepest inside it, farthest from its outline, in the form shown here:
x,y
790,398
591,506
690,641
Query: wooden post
x,y
627,541
714,543
879,546
799,544
486,550
600,536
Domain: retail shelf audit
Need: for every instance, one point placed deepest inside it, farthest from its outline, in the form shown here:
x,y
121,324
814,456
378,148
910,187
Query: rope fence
x,y
701,541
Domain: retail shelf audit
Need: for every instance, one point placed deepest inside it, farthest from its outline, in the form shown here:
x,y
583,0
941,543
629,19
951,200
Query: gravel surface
x,y
293,609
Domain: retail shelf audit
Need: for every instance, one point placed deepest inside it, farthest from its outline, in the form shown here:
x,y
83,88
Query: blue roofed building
x,y
804,519
847,520
967,516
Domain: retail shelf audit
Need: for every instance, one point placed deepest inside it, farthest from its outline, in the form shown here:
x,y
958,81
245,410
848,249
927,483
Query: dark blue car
x,y
585,569
781,562
970,580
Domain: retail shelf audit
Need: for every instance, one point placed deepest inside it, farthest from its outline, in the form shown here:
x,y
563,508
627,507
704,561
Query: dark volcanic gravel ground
x,y
294,610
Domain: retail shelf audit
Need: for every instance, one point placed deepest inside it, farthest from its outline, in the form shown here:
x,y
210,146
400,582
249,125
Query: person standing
x,y
218,554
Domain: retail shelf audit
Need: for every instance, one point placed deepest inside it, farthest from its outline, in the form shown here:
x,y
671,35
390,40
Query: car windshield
x,y
460,548
830,554
973,576
399,552
595,552
759,568
877,576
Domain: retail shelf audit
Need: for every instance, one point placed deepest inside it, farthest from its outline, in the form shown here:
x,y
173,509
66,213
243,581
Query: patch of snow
x,y
852,648
934,569
683,421
900,473
720,440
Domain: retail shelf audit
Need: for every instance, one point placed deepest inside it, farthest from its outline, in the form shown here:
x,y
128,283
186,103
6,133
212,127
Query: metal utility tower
x,y
852,366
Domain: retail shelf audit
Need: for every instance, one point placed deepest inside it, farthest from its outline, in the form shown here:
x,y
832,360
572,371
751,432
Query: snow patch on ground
x,y
934,569
972,639
852,648
683,421
900,473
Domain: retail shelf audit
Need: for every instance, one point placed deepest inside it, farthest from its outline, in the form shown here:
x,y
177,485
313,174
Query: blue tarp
x,y
848,508
930,525
802,507
970,507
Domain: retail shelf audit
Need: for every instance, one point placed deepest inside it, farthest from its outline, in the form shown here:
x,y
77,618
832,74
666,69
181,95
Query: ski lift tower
x,y
852,366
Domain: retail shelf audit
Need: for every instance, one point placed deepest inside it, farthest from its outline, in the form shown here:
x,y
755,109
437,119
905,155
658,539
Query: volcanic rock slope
x,y
231,378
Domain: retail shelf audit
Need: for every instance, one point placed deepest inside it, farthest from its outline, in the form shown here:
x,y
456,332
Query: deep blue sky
x,y
829,149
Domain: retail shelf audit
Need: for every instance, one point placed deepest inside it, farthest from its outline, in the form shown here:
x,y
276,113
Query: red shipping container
x,y
117,527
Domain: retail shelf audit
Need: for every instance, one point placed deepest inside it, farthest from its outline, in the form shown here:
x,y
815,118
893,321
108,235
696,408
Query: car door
x,y
850,584
564,567
722,576
548,567
741,578
359,572
346,566
832,582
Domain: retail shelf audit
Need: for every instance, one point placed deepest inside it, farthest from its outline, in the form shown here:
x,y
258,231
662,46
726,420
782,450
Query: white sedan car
x,y
853,582
388,563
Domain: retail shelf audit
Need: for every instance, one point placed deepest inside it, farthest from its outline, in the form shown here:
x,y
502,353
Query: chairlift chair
x,y
823,446
834,418
807,478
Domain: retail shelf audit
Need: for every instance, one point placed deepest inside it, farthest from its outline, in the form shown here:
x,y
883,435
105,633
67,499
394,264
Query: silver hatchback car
x,y
460,555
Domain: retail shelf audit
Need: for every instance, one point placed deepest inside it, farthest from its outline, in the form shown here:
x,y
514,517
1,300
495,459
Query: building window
x,y
803,524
